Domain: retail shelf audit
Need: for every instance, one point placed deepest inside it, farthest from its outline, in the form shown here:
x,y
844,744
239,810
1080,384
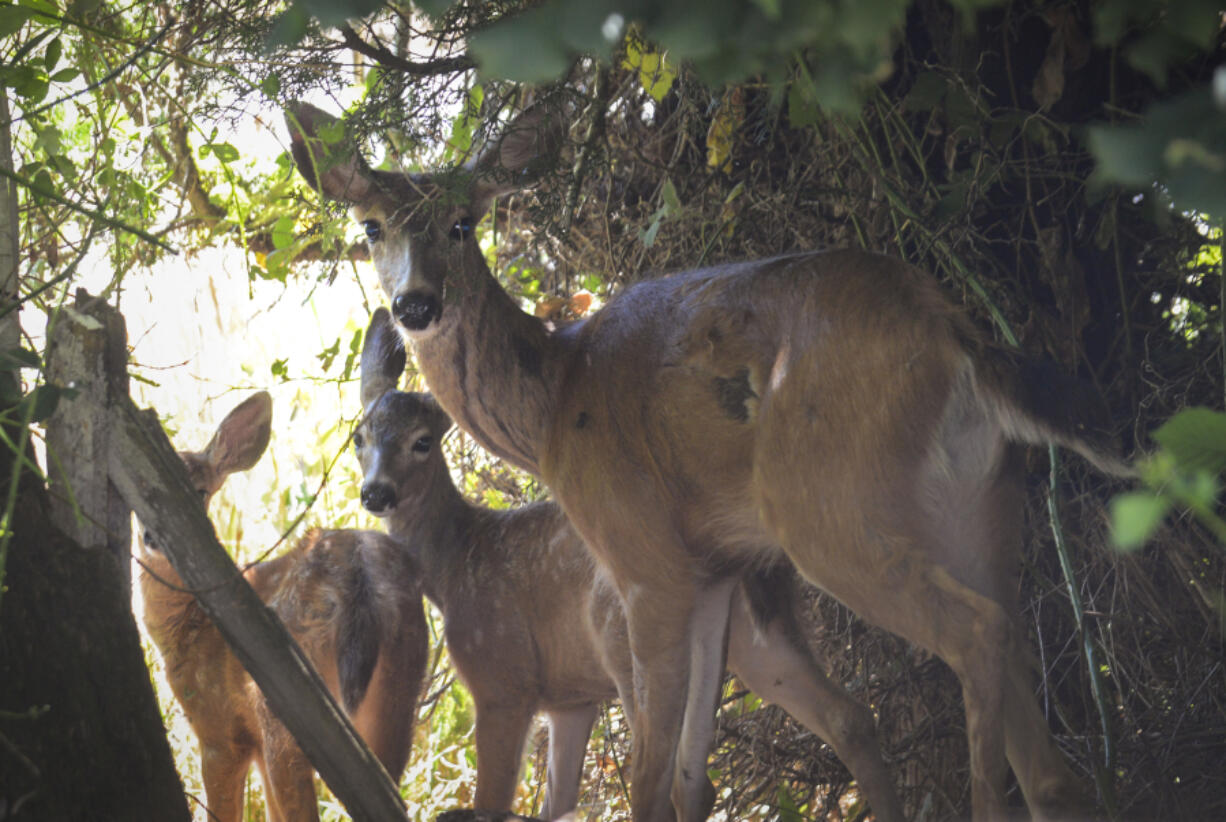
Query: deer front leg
x,y
501,730
693,795
777,666
569,729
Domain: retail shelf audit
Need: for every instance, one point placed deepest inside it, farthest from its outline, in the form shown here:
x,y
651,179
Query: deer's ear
x,y
529,147
242,436
325,155
442,421
383,358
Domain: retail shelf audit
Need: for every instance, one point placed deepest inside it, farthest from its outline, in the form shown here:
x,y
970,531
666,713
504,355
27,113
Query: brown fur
x,y
880,459
329,580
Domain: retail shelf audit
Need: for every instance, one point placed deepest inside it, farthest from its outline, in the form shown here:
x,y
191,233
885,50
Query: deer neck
x,y
493,368
434,529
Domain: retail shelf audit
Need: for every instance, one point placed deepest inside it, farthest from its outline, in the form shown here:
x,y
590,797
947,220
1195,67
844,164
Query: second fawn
x,y
351,599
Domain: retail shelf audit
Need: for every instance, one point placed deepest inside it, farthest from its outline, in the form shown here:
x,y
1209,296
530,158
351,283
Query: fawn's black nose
x,y
415,310
378,497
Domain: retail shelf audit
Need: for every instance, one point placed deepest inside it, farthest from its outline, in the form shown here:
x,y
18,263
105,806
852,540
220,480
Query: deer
x,y
533,625
832,408
350,598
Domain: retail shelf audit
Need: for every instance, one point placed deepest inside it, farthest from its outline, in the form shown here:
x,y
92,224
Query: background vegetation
x,y
1061,166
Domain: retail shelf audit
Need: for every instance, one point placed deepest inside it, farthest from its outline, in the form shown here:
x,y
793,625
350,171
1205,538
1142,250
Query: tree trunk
x,y
81,735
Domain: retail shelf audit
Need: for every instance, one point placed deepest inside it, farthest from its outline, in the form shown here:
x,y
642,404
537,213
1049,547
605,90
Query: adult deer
x,y
833,408
351,599
530,621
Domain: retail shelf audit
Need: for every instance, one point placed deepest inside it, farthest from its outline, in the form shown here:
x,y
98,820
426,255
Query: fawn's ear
x,y
440,420
383,358
527,148
326,156
242,436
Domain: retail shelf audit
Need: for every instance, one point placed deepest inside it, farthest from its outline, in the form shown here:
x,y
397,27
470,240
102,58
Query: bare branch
x,y
385,58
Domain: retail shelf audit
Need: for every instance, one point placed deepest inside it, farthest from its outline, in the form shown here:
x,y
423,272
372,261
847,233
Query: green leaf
x,y
803,109
280,369
222,151
283,232
271,86
65,75
926,92
41,403
1135,516
668,196
1196,437
12,18
19,358
434,8
55,49
525,49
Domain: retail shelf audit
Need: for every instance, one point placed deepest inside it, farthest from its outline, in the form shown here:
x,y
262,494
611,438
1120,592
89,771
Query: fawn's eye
x,y
358,440
462,229
204,493
423,444
373,229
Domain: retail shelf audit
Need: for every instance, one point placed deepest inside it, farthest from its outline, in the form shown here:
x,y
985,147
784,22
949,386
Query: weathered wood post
x,y
87,351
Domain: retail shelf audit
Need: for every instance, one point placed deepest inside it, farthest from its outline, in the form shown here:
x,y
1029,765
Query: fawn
x,y
351,599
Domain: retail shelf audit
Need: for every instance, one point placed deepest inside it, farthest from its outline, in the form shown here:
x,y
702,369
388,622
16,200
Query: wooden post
x,y
87,351
150,475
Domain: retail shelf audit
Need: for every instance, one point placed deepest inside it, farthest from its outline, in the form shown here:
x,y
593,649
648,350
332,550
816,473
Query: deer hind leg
x,y
659,628
569,730
693,794
223,772
903,591
1051,789
501,731
388,711
776,665
289,779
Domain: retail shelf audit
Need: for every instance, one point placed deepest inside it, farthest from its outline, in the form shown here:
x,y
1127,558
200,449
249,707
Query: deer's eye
x,y
423,444
462,229
373,229
204,493
358,440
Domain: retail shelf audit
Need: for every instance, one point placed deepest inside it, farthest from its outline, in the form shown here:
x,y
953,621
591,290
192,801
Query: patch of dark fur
x,y
770,592
358,639
582,421
732,394
528,356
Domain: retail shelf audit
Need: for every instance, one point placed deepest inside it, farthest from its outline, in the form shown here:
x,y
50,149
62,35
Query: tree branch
x,y
385,58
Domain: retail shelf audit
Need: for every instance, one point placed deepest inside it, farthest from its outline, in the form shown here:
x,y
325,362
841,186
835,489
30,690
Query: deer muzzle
x,y
378,497
416,310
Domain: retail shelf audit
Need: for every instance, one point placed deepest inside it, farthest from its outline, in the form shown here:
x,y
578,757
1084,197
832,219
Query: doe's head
x,y
421,227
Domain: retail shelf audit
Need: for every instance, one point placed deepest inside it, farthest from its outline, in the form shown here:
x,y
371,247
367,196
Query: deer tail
x,y
359,634
1037,403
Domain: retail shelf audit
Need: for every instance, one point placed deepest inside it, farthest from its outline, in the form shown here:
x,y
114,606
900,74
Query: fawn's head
x,y
398,442
420,227
237,444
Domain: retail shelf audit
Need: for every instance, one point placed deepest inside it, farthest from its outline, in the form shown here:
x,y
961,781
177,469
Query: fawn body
x,y
350,598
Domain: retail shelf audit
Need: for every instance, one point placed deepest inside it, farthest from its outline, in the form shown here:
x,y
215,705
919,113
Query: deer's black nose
x,y
378,497
415,310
